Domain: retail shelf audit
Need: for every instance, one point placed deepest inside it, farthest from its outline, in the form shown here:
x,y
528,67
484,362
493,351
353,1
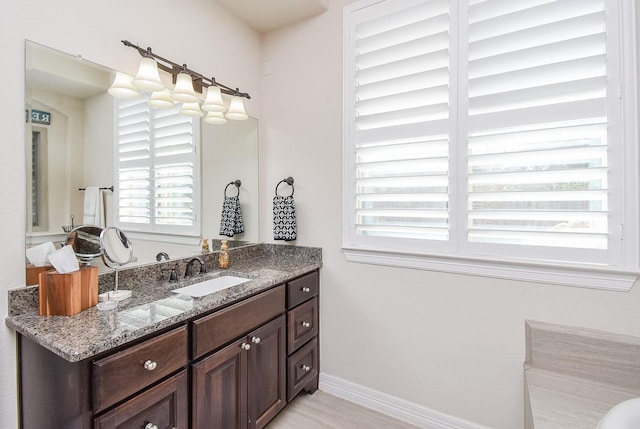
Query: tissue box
x,y
67,294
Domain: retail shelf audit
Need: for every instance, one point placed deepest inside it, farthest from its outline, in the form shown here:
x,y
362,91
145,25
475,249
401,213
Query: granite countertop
x,y
153,306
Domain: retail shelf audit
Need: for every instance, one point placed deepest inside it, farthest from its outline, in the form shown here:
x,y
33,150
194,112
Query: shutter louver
x,y
134,162
157,168
402,122
537,126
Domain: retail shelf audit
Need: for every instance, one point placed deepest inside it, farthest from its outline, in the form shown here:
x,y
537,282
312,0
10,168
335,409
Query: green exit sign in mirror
x,y
40,117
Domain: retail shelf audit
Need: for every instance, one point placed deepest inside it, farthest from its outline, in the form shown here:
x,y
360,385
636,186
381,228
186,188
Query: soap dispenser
x,y
223,258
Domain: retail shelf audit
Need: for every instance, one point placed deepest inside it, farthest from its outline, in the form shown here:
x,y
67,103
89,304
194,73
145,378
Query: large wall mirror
x,y
69,139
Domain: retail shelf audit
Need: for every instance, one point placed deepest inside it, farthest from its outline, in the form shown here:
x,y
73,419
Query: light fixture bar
x,y
199,80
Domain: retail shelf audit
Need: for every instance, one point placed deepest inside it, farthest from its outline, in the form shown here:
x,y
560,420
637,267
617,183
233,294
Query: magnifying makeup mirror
x,y
116,252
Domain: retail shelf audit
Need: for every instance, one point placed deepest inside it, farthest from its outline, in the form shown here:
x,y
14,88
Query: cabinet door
x,y
267,372
220,389
163,407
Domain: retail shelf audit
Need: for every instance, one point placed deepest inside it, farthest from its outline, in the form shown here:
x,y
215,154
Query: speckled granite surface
x,y
153,306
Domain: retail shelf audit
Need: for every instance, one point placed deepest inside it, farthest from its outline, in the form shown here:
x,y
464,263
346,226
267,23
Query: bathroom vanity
x,y
231,359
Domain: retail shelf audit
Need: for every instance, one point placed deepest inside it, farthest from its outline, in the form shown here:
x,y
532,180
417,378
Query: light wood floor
x,y
324,411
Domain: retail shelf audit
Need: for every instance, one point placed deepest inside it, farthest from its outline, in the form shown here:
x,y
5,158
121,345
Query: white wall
x,y
451,343
197,32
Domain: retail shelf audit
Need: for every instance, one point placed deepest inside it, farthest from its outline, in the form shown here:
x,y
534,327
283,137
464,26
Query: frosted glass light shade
x,y
236,109
183,91
215,118
122,86
213,102
161,99
191,109
148,77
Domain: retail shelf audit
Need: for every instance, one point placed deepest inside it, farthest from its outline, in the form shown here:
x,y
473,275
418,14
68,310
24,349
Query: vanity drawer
x,y
163,406
124,373
219,328
302,369
302,324
301,289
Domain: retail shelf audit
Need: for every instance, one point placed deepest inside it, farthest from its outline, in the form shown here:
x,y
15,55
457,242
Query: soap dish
x,y
107,305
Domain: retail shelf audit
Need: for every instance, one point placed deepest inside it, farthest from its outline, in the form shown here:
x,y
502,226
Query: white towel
x,y
93,207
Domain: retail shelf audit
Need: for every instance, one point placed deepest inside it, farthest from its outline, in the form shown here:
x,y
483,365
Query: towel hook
x,y
237,183
288,181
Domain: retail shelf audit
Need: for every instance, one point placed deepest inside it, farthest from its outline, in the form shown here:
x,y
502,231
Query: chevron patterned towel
x,y
284,218
231,220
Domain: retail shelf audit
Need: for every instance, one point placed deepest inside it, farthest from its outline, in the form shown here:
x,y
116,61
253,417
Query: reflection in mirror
x,y
69,141
85,242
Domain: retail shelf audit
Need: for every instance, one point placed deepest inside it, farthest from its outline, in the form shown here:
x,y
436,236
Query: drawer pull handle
x,y
306,368
150,365
245,346
306,324
151,426
255,340
306,289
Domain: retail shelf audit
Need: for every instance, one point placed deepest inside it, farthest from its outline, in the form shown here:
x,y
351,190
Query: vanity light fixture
x,y
161,99
148,77
122,87
188,84
215,118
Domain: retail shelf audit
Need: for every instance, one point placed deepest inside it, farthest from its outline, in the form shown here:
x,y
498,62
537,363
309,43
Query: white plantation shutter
x,y
400,77
490,128
157,169
537,126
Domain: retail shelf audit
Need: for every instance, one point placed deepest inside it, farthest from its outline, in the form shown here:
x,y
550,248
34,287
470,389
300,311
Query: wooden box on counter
x,y
67,294
33,273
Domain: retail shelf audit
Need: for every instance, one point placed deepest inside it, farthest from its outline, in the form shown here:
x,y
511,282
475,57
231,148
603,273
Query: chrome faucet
x,y
189,271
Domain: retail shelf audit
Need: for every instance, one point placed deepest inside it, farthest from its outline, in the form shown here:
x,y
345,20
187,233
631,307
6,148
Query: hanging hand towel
x,y
231,220
93,207
284,218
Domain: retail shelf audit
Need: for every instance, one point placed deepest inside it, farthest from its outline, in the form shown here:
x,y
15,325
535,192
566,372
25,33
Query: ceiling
x,y
265,15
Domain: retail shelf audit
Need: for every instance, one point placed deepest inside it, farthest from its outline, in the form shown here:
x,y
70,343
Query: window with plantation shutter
x,y
489,133
157,169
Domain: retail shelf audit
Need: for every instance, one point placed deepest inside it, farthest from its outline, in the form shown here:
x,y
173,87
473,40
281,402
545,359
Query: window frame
x,y
408,254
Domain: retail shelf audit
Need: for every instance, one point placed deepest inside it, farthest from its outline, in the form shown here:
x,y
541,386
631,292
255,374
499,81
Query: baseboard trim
x,y
392,406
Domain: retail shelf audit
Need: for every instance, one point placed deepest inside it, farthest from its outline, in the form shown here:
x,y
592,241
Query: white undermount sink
x,y
207,287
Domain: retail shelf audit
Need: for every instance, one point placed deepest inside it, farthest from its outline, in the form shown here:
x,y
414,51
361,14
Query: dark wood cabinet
x,y
161,407
220,389
267,373
234,368
244,384
303,319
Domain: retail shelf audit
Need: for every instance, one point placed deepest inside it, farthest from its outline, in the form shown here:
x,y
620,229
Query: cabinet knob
x,y
150,426
306,290
255,340
306,324
306,368
245,346
150,365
